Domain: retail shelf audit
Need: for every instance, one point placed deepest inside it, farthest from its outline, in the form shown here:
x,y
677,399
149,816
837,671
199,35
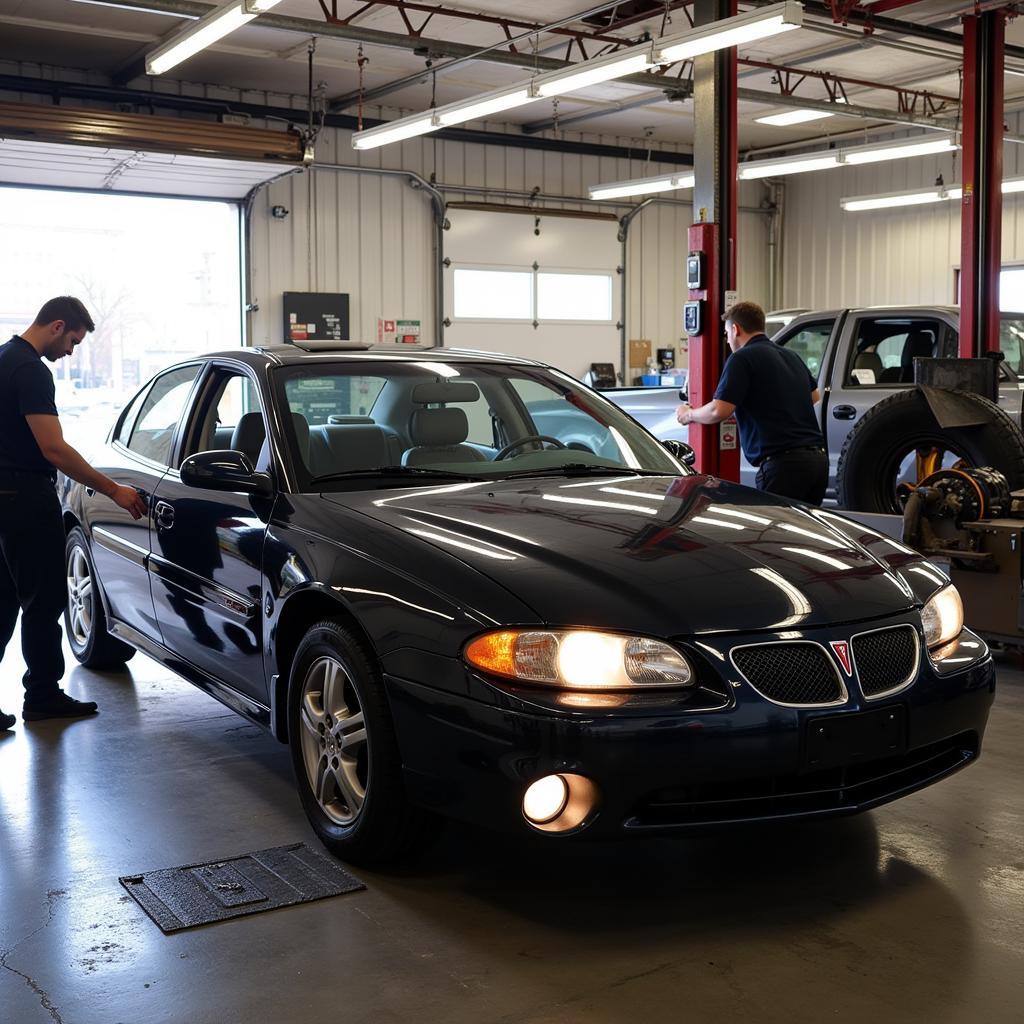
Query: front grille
x,y
796,673
831,791
886,659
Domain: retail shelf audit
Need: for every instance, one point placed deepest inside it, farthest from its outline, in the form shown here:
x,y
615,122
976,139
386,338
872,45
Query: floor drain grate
x,y
197,894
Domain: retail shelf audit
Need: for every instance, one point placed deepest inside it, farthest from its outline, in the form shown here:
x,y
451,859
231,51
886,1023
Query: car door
x,y
871,364
206,561
137,456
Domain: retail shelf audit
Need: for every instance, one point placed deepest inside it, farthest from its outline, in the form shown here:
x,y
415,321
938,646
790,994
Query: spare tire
x,y
882,450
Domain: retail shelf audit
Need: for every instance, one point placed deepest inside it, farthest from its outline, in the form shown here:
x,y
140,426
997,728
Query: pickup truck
x,y
879,429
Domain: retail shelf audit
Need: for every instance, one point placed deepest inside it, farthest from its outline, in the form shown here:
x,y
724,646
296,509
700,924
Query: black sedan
x,y
466,585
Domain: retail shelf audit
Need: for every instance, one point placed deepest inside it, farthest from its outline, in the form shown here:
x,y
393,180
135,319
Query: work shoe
x,y
60,705
6,721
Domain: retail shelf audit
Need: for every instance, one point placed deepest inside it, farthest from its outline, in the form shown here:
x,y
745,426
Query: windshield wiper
x,y
354,474
584,469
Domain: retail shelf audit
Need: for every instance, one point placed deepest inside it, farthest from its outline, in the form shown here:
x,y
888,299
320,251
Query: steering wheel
x,y
509,448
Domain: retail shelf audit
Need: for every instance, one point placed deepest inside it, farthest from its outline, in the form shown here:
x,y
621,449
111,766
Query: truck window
x,y
884,351
809,342
1011,342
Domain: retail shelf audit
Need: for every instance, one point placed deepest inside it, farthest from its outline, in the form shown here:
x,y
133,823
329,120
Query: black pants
x,y
32,580
801,474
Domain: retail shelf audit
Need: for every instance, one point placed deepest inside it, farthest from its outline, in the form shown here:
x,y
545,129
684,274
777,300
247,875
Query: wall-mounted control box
x,y
692,317
695,271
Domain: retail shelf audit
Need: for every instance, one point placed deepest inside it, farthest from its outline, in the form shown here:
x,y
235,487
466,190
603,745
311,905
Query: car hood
x,y
660,555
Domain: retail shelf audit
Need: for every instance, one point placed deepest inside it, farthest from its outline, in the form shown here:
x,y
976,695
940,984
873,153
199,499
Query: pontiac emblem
x,y
842,652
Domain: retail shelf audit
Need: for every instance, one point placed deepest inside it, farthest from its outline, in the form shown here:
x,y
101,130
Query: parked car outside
x,y
468,586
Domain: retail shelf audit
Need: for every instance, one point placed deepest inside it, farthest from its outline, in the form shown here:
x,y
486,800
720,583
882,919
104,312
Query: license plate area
x,y
836,740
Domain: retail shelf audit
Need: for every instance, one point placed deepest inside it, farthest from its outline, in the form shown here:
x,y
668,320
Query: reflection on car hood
x,y
662,555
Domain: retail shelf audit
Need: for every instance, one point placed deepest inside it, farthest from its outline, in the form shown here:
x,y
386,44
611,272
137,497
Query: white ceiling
x,y
269,61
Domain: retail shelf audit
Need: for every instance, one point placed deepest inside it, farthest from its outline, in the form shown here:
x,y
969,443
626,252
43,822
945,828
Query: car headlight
x,y
579,659
942,617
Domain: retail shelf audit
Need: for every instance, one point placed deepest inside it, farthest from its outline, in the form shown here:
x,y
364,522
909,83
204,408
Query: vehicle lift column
x,y
712,240
982,205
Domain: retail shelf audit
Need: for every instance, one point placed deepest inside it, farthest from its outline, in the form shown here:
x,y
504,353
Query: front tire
x,y
345,753
85,620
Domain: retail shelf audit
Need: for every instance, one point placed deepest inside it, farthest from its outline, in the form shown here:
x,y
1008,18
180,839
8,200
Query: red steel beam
x,y
981,206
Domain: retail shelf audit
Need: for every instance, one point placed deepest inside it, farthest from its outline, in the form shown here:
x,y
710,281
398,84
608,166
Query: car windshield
x,y
392,423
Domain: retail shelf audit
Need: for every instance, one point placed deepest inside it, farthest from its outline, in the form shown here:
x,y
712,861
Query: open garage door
x,y
542,286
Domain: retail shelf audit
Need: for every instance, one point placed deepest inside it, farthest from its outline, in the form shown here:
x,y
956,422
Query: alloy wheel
x,y
80,597
335,748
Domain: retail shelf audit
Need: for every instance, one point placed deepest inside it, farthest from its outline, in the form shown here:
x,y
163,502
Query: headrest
x,y
249,434
918,343
439,427
868,361
445,391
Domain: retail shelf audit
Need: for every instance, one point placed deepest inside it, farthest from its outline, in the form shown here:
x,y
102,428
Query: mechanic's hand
x,y
130,500
683,414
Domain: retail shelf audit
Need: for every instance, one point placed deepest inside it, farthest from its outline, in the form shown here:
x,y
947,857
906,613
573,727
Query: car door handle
x,y
844,412
163,513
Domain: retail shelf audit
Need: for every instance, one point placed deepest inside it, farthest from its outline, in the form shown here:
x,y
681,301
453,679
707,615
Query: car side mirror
x,y
225,471
682,451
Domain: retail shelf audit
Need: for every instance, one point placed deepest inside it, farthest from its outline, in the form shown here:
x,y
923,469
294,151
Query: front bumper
x,y
659,769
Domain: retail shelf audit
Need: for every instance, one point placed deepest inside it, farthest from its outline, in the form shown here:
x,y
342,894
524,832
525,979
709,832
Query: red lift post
x,y
712,238
982,204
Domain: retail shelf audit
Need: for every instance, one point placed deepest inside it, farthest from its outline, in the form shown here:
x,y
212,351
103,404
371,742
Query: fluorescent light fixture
x,y
593,72
792,165
900,150
793,117
141,9
395,131
641,186
205,32
1010,185
478,107
892,200
744,28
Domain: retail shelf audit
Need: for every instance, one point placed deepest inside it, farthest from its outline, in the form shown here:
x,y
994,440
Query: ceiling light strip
x,y
743,28
918,197
205,32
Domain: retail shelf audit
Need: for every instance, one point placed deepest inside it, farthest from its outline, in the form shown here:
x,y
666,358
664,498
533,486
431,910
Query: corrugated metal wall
x,y
372,237
908,255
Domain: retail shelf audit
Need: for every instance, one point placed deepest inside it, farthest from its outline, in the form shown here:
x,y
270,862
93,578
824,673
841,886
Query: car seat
x,y
438,434
918,344
249,435
867,361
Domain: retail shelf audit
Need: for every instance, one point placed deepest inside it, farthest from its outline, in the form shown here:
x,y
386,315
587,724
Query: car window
x,y
1011,336
457,419
809,343
160,414
884,350
232,418
128,419
318,397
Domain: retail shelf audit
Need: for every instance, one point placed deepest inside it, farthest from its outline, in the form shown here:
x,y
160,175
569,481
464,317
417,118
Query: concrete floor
x,y
912,913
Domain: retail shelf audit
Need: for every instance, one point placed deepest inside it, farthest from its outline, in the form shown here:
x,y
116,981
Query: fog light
x,y
545,799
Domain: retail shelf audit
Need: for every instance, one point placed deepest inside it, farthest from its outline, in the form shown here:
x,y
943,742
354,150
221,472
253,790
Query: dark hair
x,y
66,308
747,315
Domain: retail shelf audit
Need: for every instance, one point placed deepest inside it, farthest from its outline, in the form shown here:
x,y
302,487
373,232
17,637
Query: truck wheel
x,y
345,752
899,441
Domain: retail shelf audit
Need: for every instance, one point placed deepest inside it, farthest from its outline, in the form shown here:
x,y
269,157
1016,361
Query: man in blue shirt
x,y
32,539
772,394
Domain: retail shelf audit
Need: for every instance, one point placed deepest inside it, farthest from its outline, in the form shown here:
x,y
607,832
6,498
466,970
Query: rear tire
x,y
85,619
896,428
345,753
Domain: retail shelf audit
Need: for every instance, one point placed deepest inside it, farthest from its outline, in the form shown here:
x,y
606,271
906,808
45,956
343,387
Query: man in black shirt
x,y
773,395
32,449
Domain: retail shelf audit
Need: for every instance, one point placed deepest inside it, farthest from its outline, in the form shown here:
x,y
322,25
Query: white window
x,y
574,296
493,294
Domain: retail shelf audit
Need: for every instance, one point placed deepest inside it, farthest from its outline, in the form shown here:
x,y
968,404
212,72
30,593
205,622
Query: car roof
x,y
289,355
